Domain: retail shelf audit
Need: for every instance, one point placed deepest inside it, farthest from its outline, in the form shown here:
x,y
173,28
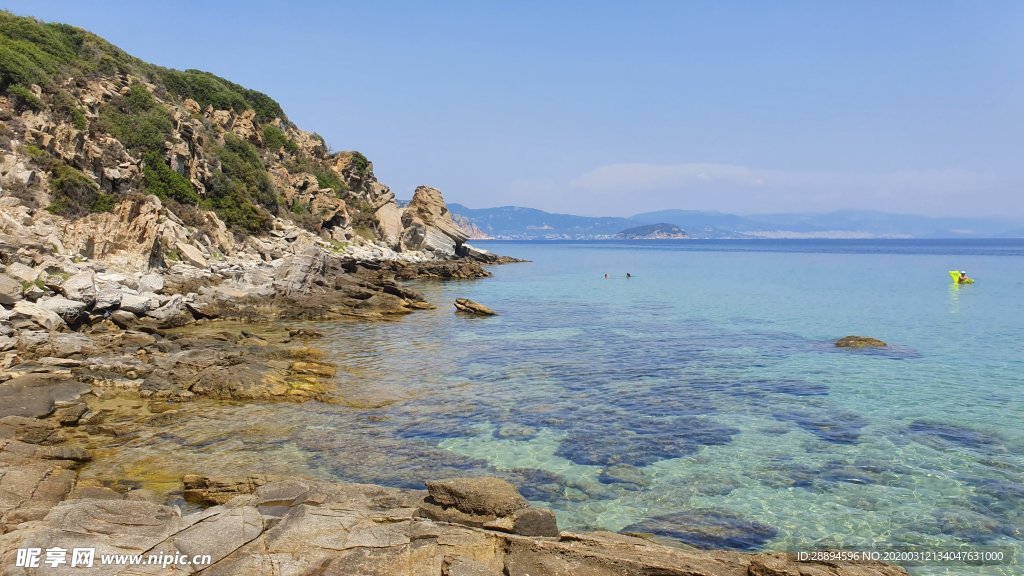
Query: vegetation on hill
x,y
44,67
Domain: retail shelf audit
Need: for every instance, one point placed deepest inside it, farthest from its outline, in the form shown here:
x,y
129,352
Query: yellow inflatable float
x,y
955,275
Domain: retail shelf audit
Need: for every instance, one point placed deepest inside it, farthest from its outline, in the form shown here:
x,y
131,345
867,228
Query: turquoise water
x,y
701,398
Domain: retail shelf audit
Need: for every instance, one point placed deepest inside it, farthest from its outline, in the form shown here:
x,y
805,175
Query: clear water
x,y
705,386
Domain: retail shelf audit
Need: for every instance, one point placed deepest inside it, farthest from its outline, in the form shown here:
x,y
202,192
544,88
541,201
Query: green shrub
x,y
66,108
360,164
34,52
228,199
274,139
74,194
24,99
241,162
166,183
211,90
137,120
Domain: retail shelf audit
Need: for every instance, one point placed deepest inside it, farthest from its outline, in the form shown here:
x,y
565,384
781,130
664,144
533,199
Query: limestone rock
x,y
81,287
151,283
191,254
45,318
10,290
859,342
138,305
470,307
35,395
70,311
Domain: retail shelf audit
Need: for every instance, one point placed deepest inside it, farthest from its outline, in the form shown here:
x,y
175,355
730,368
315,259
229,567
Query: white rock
x,y
21,272
135,304
191,254
151,283
47,319
107,299
81,286
10,290
67,309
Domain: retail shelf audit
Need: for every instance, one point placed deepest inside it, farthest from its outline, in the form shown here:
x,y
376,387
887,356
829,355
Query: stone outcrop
x,y
428,226
859,342
468,306
306,527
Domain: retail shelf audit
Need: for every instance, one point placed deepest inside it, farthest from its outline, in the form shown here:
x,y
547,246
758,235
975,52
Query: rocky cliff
x,y
87,129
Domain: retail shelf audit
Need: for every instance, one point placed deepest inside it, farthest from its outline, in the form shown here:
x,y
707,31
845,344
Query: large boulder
x,y
80,287
10,290
45,318
70,311
428,226
485,496
127,238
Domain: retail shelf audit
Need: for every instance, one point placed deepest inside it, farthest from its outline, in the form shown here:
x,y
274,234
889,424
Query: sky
x,y
615,108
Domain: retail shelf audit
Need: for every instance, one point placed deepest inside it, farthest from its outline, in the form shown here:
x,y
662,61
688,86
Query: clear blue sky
x,y
622,107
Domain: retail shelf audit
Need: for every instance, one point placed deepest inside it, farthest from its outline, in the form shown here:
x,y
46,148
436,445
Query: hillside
x,y
87,126
516,223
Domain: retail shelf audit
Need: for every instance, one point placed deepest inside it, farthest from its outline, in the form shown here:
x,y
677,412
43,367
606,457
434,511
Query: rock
x,y
128,238
35,395
535,522
10,290
859,342
107,299
471,307
212,491
191,254
22,273
151,283
484,496
70,311
134,303
80,287
47,319
428,226
707,529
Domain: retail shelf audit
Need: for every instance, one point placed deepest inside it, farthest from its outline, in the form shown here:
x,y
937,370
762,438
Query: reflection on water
x,y
711,406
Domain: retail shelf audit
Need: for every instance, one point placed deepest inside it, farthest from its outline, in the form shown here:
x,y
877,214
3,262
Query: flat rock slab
x,y
36,395
490,496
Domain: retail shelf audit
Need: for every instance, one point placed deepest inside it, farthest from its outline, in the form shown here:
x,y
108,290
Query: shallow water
x,y
705,391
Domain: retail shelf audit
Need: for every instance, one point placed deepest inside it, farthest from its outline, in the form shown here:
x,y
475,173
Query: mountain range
x,y
519,223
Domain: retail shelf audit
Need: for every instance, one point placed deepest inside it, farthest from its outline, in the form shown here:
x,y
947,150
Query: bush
x,y
137,120
166,183
211,90
240,161
66,108
274,139
228,199
360,164
74,194
34,52
23,99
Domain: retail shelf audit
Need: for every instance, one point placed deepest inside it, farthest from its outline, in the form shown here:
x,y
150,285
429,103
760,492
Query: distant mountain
x,y
840,224
513,222
516,223
660,231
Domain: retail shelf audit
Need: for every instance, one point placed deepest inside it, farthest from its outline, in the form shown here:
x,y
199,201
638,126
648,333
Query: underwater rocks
x,y
707,529
941,435
646,441
859,342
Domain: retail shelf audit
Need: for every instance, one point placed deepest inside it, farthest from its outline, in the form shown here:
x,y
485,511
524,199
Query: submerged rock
x,y
859,342
470,307
707,529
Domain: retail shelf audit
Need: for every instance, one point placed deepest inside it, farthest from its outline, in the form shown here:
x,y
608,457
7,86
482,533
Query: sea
x,y
688,390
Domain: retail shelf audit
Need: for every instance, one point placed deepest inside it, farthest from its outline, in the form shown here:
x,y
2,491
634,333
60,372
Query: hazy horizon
x,y
603,108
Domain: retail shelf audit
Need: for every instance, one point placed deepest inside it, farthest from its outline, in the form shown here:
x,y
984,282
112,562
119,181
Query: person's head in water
x,y
605,274
628,275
